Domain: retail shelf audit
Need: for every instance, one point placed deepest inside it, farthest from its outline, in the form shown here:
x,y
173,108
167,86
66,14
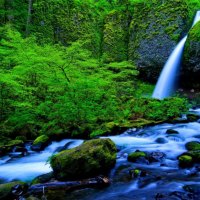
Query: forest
x,y
83,69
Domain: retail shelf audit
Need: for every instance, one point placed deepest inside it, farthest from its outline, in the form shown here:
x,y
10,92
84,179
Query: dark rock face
x,y
115,36
154,34
191,62
92,158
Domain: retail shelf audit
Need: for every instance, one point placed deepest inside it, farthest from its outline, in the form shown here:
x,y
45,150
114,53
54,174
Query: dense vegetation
x,y
65,68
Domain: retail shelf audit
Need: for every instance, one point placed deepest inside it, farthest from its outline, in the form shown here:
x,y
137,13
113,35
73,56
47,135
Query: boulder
x,y
44,178
92,158
156,157
137,156
161,140
185,161
40,143
193,146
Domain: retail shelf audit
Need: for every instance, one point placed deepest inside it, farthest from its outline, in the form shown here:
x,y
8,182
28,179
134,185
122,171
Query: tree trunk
x,y
70,185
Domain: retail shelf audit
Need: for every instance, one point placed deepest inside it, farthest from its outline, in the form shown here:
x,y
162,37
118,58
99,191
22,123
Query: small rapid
x,y
32,165
163,176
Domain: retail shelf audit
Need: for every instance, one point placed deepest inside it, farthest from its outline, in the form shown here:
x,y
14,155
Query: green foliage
x,y
154,109
71,74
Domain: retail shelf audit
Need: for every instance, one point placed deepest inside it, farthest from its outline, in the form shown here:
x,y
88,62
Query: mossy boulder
x,y
133,157
185,161
5,189
193,146
40,143
155,29
191,62
92,158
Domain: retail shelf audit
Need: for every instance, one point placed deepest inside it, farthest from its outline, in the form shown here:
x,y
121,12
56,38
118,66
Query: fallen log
x,y
96,182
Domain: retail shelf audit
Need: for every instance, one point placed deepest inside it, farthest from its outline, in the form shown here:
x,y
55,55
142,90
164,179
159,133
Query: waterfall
x,y
166,81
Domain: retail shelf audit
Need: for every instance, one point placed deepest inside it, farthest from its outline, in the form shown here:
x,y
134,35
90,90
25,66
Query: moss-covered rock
x,y
5,189
40,143
185,161
191,66
155,29
42,178
92,158
193,146
133,157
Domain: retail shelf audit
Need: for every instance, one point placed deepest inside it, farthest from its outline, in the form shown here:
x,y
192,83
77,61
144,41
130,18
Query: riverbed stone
x,y
156,156
161,140
92,158
40,143
193,146
172,131
44,178
185,161
137,155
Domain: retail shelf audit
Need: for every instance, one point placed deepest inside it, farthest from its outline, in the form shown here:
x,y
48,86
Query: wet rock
x,y
161,140
185,161
156,157
40,143
92,158
193,188
176,195
65,147
193,146
43,178
172,131
137,156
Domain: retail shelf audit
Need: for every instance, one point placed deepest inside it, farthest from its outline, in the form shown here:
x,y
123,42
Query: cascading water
x,y
166,81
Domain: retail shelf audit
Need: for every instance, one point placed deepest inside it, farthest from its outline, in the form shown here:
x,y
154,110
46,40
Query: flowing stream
x,y
166,82
163,176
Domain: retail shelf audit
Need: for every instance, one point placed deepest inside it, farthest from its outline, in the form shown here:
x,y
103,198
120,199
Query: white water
x,y
35,164
166,81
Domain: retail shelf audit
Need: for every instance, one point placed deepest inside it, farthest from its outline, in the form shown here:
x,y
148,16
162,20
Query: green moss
x,y
136,155
92,158
185,161
41,139
15,143
193,146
